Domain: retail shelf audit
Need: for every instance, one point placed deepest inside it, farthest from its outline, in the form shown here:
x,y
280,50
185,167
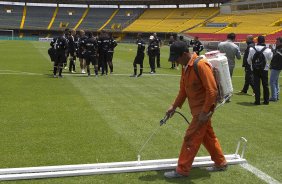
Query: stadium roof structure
x,y
124,2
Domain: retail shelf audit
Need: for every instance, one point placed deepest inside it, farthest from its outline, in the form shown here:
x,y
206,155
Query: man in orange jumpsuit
x,y
201,92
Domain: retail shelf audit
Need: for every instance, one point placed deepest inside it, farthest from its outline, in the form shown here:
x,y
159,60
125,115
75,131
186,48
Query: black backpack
x,y
258,61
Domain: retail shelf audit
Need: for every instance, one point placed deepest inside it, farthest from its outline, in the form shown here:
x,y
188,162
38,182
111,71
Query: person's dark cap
x,y
177,49
261,39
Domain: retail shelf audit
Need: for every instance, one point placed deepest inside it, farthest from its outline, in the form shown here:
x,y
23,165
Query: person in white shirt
x,y
259,59
231,50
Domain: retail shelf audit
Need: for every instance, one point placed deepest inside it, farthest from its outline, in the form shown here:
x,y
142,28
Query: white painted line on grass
x,y
13,72
22,73
263,176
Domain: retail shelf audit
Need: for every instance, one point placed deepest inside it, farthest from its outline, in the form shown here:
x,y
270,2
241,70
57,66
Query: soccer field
x,y
78,120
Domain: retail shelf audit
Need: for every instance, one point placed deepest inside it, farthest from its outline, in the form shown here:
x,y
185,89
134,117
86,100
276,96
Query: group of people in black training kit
x,y
97,51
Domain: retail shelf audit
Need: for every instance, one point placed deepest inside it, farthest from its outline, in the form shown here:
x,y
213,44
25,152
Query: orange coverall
x,y
201,94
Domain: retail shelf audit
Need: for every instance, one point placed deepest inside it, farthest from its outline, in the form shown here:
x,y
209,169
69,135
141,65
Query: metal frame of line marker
x,y
114,167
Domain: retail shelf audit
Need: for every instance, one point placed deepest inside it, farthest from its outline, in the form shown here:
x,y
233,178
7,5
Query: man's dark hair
x,y
177,49
261,39
139,35
181,38
231,36
67,31
89,34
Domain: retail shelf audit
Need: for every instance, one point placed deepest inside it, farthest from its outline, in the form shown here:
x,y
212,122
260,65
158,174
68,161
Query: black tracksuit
x,y
71,52
249,78
103,48
112,45
60,45
158,51
91,46
152,52
139,56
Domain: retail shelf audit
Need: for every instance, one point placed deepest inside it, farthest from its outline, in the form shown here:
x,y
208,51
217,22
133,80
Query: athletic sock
x,y
60,71
55,70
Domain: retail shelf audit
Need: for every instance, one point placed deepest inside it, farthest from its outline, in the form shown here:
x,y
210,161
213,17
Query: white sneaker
x,y
73,72
83,71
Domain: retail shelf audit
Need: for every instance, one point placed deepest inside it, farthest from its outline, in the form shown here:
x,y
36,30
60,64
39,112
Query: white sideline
x,y
12,72
263,176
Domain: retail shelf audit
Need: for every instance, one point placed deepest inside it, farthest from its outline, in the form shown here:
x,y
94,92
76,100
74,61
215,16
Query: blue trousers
x,y
274,84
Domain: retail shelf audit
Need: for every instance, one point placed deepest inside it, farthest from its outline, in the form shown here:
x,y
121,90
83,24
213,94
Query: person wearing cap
x,y
260,75
276,67
197,45
201,92
151,51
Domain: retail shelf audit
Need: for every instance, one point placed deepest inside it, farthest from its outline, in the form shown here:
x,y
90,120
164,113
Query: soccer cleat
x,y
83,71
265,103
173,174
55,76
133,75
152,72
256,103
60,76
242,93
73,71
217,168
139,75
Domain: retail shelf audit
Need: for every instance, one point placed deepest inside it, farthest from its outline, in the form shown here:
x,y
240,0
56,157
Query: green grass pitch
x,y
80,120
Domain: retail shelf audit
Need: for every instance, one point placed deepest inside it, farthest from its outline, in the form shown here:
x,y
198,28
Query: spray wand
x,y
162,122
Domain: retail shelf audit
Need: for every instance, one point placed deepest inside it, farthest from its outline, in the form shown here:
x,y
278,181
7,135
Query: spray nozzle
x,y
163,121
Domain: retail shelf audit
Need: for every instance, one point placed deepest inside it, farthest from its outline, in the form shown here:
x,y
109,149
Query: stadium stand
x,y
171,20
11,16
96,18
207,23
67,18
123,18
38,18
242,24
271,38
